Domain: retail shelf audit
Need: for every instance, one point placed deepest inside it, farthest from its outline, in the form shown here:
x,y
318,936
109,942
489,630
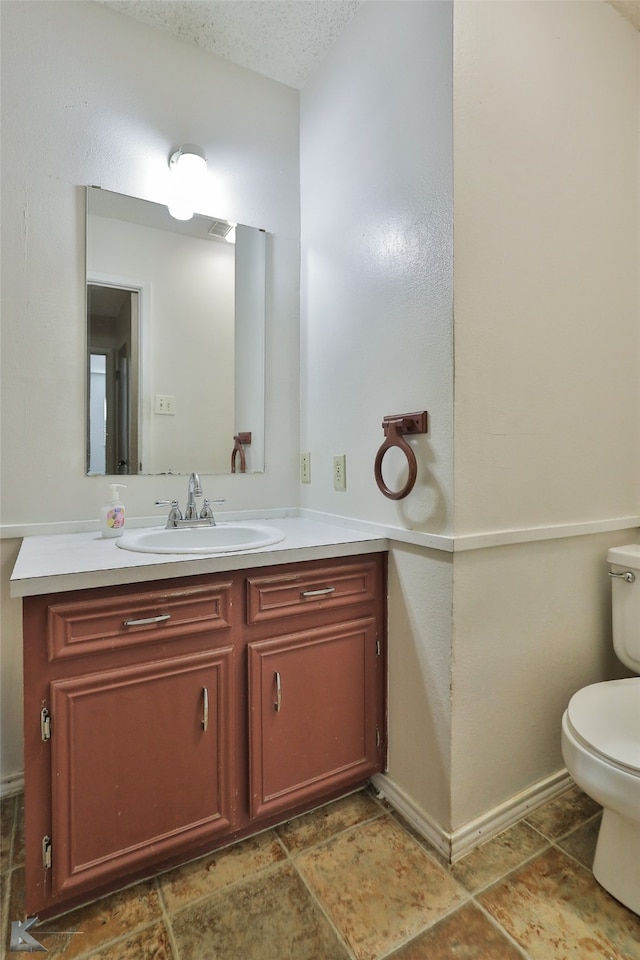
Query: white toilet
x,y
601,740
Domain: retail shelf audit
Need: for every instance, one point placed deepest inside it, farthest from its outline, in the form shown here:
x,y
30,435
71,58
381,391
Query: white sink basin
x,y
222,538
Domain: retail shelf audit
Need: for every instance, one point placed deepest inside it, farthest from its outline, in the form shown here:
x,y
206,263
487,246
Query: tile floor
x,y
352,881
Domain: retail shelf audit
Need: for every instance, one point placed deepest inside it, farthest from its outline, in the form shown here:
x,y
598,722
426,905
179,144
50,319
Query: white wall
x,y
376,335
546,264
92,97
486,646
376,332
532,624
547,341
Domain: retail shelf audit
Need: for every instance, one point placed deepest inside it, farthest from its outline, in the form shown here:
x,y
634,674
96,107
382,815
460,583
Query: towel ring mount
x,y
395,428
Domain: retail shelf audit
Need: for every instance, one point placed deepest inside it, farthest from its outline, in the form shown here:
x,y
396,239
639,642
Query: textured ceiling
x,y
281,39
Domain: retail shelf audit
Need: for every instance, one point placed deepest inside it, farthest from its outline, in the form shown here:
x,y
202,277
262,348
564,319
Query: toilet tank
x,y
625,604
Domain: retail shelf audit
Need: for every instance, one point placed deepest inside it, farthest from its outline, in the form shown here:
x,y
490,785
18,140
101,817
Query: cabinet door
x,y
312,723
140,765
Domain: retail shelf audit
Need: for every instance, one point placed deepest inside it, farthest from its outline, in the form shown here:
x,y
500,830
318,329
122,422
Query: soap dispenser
x,y
112,513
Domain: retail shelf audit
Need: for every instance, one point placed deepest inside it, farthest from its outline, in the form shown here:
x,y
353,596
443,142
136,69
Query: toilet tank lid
x,y
628,556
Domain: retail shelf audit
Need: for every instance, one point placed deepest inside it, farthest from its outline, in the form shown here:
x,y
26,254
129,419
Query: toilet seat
x,y
605,719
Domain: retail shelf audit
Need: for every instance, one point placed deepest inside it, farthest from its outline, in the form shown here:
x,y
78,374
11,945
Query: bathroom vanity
x,y
168,716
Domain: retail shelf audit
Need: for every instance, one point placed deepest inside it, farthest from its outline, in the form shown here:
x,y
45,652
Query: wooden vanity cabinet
x,y
316,677
163,720
131,726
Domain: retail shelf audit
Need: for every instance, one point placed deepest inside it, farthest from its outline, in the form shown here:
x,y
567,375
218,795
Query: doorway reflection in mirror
x,y
112,318
177,312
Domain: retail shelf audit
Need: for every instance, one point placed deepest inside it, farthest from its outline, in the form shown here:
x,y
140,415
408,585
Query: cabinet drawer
x,y
83,627
326,587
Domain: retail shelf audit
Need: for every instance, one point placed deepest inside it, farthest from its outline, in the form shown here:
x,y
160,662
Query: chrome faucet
x,y
194,490
175,519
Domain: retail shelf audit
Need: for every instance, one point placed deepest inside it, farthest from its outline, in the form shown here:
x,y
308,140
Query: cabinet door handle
x,y
145,621
205,708
318,593
278,703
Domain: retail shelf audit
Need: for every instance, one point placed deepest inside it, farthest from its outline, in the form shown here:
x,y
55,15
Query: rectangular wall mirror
x,y
175,340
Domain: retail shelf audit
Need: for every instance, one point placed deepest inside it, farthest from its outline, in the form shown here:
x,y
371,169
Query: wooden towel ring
x,y
240,440
395,429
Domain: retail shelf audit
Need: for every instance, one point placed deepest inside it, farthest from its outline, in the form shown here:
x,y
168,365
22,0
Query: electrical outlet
x,y
164,405
340,472
305,467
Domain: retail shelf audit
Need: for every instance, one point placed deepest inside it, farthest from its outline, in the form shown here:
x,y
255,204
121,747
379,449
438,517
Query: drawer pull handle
x,y
205,708
145,621
318,593
278,703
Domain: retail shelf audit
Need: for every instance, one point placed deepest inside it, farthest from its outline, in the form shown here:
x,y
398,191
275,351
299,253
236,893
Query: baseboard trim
x,y
456,844
477,831
11,785
426,826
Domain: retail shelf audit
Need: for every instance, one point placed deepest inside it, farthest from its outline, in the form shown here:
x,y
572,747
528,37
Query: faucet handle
x,y
174,513
207,513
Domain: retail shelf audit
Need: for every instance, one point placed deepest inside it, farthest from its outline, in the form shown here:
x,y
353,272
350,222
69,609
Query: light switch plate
x,y
164,405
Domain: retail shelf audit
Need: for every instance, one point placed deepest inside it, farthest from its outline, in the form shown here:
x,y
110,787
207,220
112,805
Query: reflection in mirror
x,y
175,340
113,324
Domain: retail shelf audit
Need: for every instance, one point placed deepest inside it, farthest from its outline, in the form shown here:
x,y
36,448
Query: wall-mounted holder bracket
x,y
241,441
395,428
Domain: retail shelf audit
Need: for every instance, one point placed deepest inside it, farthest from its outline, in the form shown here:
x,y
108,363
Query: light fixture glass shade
x,y
188,171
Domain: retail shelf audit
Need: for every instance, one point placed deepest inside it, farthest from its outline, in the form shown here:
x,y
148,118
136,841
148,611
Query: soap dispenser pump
x,y
112,513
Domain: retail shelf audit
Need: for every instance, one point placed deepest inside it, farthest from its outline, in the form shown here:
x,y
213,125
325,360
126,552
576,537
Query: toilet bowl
x,y
601,741
601,750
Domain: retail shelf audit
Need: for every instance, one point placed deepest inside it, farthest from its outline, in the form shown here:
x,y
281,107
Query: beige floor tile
x,y
90,929
466,934
319,825
378,886
17,852
211,874
555,909
150,944
563,813
498,856
426,844
581,843
269,917
7,817
7,806
16,909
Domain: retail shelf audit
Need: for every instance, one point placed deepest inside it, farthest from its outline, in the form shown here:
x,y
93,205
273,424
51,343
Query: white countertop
x,y
76,561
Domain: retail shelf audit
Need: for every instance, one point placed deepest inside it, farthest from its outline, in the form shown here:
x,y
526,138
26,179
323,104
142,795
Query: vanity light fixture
x,y
188,167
